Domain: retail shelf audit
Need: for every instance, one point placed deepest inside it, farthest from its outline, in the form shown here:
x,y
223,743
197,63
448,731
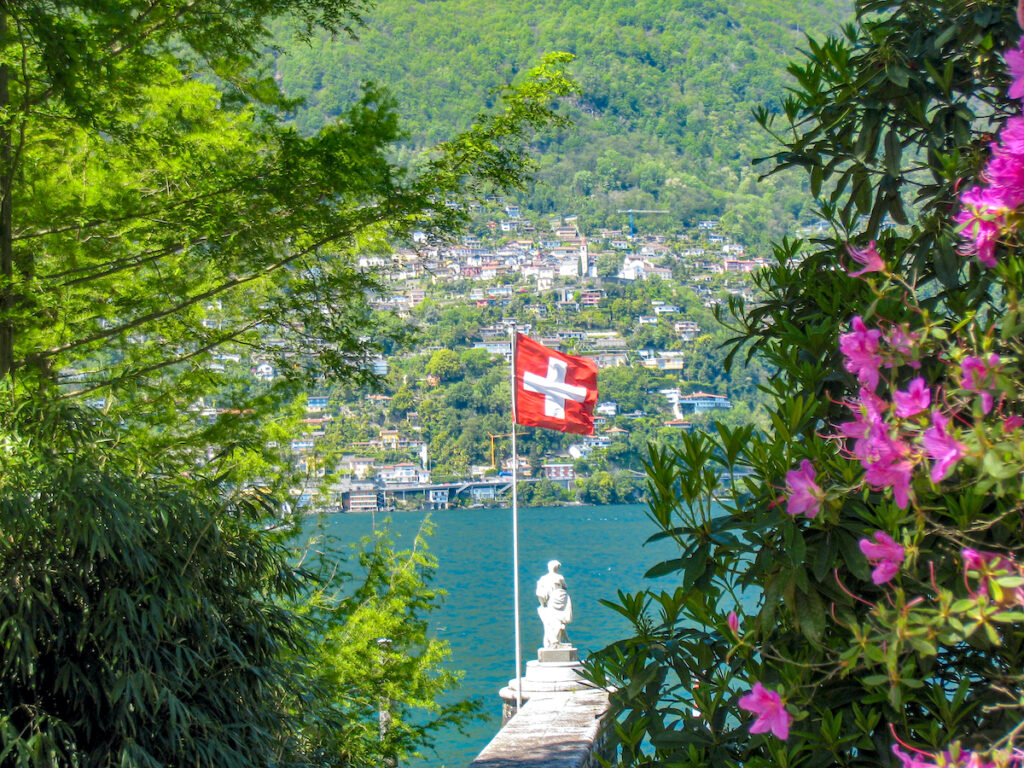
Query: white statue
x,y
555,607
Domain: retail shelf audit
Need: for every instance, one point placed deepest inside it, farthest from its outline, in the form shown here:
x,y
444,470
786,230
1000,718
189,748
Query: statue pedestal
x,y
555,670
558,655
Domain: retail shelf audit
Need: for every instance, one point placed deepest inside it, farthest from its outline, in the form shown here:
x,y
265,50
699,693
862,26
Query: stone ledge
x,y
553,730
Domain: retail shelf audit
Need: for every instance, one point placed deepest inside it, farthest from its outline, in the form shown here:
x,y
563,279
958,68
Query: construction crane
x,y
631,211
493,438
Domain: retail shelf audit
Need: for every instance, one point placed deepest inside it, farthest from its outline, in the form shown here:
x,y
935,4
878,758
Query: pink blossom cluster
x,y
891,439
868,350
889,454
886,457
985,209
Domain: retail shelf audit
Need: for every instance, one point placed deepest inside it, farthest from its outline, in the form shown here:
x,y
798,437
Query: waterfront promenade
x,y
601,549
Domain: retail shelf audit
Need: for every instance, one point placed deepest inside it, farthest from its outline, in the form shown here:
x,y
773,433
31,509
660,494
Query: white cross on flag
x,y
554,390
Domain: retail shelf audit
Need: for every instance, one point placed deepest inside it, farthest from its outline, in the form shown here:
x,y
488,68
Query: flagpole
x,y
515,527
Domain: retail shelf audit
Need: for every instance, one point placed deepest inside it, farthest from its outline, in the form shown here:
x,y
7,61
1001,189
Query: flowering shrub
x,y
847,587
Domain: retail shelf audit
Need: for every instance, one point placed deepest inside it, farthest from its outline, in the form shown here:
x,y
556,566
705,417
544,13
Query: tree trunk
x,y
6,235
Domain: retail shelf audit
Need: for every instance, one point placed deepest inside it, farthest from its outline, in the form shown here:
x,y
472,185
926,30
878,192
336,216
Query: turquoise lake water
x,y
601,551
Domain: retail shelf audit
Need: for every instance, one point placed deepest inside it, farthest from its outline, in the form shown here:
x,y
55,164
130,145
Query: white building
x,y
264,372
687,330
562,474
699,402
569,268
632,269
403,473
360,497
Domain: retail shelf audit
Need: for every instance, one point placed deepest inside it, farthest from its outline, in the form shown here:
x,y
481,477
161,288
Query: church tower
x,y
586,268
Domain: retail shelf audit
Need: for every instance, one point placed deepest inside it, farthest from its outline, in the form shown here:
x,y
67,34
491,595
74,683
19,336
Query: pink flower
x,y
886,458
941,446
734,623
894,472
978,375
986,201
805,496
885,554
866,257
868,410
1015,63
980,220
1004,173
1011,137
972,371
860,348
989,562
917,398
771,714
1012,423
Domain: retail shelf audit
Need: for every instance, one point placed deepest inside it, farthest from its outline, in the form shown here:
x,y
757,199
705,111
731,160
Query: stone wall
x,y
553,730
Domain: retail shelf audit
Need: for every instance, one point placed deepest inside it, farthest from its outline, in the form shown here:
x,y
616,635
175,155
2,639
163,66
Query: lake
x,y
601,551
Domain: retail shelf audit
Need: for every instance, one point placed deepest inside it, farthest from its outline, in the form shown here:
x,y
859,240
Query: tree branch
x,y
163,363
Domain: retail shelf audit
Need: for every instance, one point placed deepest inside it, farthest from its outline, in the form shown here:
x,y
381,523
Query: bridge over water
x,y
439,495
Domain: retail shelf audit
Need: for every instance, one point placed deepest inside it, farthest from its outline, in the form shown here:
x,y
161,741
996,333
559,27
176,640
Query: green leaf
x,y
825,553
923,646
1007,617
812,615
893,150
997,467
666,567
898,75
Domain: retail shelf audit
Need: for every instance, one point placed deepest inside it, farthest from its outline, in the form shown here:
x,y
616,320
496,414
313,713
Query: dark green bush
x,y
143,622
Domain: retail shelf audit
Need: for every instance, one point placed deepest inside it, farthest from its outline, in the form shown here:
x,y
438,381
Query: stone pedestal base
x,y
557,671
552,675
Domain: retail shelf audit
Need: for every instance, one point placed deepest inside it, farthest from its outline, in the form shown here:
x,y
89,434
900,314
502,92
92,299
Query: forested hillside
x,y
664,118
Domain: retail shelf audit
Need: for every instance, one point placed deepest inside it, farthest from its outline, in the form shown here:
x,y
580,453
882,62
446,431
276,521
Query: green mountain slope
x,y
664,119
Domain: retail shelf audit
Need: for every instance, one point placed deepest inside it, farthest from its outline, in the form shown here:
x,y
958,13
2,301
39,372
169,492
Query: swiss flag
x,y
554,390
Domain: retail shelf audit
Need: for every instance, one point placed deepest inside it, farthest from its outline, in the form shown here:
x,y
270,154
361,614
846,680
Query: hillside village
x,y
434,434
558,257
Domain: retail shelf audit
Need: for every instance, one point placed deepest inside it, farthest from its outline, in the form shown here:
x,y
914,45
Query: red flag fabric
x,y
554,390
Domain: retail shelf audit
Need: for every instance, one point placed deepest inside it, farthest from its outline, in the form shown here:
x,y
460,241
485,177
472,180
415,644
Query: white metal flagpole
x,y
515,527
